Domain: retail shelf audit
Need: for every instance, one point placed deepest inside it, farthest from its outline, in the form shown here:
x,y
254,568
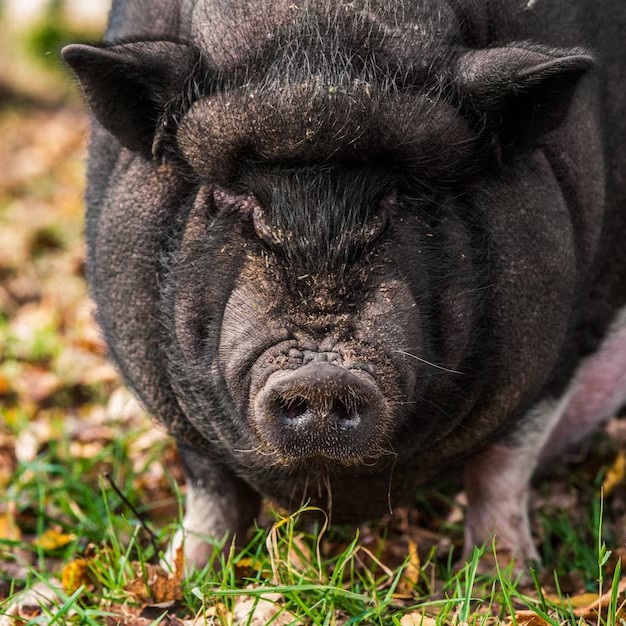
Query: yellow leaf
x,y
8,461
179,563
52,540
615,474
600,603
247,567
411,573
75,574
9,530
584,599
576,602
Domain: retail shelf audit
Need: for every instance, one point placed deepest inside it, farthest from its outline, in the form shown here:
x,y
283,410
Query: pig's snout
x,y
320,410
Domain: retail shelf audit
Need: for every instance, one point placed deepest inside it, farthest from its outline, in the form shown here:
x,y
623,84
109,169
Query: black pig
x,y
340,248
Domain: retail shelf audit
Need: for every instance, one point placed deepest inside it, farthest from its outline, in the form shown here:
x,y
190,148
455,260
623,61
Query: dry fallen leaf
x,y
8,460
35,384
9,530
216,615
582,600
27,604
411,574
259,610
599,603
615,474
75,574
153,585
417,619
587,605
528,618
52,539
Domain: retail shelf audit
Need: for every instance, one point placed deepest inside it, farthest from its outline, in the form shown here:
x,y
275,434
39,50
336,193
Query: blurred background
x,y
62,407
48,342
33,32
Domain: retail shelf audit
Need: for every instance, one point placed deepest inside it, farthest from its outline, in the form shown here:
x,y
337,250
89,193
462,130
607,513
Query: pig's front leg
x,y
218,505
497,484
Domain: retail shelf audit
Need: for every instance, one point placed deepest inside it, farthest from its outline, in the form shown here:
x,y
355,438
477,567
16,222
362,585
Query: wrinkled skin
x,y
342,249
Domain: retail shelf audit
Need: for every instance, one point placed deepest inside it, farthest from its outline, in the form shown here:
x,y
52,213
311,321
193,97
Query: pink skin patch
x,y
497,486
597,392
497,479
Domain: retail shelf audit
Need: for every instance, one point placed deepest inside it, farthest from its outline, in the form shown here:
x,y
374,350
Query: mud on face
x,y
332,386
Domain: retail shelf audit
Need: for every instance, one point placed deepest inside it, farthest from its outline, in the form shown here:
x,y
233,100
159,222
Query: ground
x,y
90,488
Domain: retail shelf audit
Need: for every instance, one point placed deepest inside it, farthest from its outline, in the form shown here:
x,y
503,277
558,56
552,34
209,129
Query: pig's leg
x,y
497,482
218,505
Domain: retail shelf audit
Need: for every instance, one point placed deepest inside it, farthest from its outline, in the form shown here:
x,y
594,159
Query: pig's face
x,y
308,347
358,234
304,293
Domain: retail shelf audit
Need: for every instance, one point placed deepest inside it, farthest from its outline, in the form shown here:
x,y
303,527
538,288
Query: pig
x,y
341,249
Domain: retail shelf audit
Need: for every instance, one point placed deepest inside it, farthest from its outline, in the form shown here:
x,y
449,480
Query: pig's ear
x,y
524,92
129,85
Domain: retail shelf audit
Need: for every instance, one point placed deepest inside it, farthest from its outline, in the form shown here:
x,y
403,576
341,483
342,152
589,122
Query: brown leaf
x,y
258,611
35,384
591,610
179,563
582,600
8,460
214,615
28,603
5,386
9,530
411,574
153,585
417,619
528,618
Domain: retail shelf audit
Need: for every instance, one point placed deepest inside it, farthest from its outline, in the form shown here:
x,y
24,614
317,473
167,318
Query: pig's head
x,y
334,289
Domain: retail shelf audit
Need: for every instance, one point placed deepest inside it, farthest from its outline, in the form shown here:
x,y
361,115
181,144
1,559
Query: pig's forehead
x,y
231,32
302,124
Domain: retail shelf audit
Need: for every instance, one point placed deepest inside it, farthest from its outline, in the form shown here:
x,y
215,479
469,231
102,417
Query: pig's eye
x,y
378,223
249,208
226,201
389,203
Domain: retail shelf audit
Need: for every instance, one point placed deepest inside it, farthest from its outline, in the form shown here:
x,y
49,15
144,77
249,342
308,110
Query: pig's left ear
x,y
129,85
524,91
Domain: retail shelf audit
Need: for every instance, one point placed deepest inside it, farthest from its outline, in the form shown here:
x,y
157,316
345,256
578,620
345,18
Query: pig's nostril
x,y
299,412
346,416
293,411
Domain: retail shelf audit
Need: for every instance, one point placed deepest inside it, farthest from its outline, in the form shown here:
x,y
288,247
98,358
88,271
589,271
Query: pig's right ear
x,y
129,85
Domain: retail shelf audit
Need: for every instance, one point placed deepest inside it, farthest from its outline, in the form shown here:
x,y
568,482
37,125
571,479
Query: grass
x,y
325,576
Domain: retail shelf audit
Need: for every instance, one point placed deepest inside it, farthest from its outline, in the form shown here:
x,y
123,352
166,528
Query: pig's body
x,y
495,290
